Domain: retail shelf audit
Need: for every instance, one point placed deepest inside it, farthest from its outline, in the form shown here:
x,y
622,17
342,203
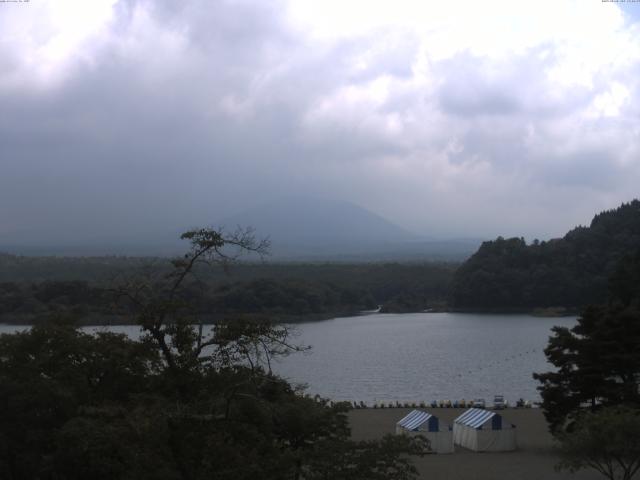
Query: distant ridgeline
x,y
570,272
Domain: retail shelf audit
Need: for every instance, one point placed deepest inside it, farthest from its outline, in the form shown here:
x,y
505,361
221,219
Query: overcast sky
x,y
450,118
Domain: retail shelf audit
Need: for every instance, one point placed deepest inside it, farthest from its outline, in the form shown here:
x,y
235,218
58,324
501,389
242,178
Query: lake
x,y
423,356
416,357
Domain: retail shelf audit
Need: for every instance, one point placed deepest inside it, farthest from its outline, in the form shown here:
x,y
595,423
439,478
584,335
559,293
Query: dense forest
x,y
31,288
560,275
570,272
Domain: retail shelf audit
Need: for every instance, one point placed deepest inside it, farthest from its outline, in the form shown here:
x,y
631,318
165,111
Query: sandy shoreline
x,y
533,460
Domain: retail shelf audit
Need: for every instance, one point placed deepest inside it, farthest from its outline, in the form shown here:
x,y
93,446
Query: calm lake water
x,y
423,356
415,357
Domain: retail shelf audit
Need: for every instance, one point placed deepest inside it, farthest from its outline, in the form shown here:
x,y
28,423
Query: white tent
x,y
484,431
425,424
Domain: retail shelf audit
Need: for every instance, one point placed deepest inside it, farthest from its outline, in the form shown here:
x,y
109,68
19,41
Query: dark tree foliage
x,y
38,269
606,441
288,297
288,291
54,377
598,360
184,402
20,303
25,302
570,272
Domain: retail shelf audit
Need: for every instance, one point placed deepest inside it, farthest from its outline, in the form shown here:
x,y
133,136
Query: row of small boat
x,y
436,404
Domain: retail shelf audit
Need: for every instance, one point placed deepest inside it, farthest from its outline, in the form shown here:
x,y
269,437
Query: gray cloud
x,y
469,87
185,113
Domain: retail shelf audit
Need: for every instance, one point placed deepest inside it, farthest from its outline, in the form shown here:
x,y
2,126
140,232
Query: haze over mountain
x,y
299,228
314,221
307,227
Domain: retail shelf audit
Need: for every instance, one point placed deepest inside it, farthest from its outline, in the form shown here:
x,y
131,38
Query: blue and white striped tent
x,y
484,431
476,417
418,422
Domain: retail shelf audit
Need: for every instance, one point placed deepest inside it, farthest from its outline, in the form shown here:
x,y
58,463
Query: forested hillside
x,y
570,272
32,288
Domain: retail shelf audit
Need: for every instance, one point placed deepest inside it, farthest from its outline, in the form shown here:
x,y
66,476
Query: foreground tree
x,y
607,441
598,364
598,360
186,401
53,379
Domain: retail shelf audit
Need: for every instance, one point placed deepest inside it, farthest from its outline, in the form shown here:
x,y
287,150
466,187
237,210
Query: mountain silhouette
x,y
314,222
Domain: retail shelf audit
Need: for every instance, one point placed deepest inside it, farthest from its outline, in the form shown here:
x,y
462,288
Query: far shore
x,y
534,458
534,312
105,320
555,311
100,320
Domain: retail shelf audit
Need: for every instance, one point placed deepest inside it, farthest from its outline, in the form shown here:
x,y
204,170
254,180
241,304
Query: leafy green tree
x,y
48,376
607,441
184,402
598,360
570,272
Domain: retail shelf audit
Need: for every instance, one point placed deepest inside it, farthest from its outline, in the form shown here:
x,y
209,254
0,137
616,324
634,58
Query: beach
x,y
534,458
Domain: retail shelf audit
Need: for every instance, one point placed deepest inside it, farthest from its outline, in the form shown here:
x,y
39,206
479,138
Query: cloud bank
x,y
489,118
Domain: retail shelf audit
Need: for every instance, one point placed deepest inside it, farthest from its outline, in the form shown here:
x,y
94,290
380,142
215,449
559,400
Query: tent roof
x,y
475,417
414,420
